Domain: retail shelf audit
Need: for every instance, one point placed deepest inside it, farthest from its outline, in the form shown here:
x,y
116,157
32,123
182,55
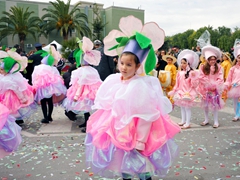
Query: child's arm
x,y
143,130
78,93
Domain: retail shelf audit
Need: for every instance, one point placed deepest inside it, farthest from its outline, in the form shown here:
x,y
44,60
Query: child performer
x,y
226,64
173,71
211,84
15,92
85,81
10,137
184,92
48,84
232,83
131,133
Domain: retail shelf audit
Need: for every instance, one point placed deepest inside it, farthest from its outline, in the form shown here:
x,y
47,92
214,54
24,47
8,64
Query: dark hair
x,y
206,68
187,74
136,60
54,45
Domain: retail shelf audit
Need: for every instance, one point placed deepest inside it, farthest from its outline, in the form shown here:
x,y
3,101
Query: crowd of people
x,y
115,79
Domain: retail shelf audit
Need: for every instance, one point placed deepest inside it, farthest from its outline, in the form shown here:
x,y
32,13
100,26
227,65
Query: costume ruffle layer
x,y
115,162
10,137
213,101
87,92
19,109
85,75
234,92
78,106
184,99
103,126
140,97
47,82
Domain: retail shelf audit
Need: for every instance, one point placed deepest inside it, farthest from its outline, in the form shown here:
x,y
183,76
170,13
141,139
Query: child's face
x,y
127,66
183,64
169,61
224,57
212,60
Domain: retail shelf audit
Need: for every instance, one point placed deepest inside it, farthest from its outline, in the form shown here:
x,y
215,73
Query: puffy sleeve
x,y
176,86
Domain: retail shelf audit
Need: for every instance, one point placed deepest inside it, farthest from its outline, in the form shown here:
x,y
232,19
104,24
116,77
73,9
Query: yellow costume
x,y
226,65
173,72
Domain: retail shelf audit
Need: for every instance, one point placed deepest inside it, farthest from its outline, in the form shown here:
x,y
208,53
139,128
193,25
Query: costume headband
x,y
85,54
141,40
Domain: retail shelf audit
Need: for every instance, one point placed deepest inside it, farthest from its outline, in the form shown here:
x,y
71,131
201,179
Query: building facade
x,y
110,15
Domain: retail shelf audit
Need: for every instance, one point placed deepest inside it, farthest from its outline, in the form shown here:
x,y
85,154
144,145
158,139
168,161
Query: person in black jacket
x,y
107,65
34,60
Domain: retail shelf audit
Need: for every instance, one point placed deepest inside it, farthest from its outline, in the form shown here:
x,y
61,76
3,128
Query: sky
x,y
177,16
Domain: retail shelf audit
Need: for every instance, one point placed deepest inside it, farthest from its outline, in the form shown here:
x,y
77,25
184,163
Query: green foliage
x,y
68,46
19,21
221,37
97,24
65,20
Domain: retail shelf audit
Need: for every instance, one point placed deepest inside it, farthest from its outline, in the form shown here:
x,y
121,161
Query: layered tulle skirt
x,y
186,99
85,99
48,83
17,108
234,91
10,137
111,152
212,100
115,162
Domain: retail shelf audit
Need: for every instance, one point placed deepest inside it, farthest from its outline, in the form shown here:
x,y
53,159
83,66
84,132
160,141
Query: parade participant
x,y
232,84
85,81
15,92
173,72
48,84
211,84
184,92
226,64
34,60
10,137
131,133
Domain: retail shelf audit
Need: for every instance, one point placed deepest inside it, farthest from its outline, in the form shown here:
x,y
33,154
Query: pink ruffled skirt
x,y
111,153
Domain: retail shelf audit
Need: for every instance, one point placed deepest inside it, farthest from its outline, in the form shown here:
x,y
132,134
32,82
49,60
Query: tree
x,y
97,24
19,21
59,17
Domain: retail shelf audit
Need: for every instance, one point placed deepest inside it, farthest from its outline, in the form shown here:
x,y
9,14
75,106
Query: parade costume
x,y
226,65
211,85
47,81
173,72
10,137
85,80
132,114
232,84
48,84
184,93
14,87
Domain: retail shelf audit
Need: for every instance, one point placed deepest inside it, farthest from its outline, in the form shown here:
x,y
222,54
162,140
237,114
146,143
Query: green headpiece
x,y
9,64
78,53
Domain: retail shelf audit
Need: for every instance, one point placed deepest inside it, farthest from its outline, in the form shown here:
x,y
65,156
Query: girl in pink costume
x,y
232,83
10,137
131,133
85,81
15,92
211,84
48,84
184,92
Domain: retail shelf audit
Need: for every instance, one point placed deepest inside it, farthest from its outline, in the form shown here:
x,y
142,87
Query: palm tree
x,y
64,20
19,21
